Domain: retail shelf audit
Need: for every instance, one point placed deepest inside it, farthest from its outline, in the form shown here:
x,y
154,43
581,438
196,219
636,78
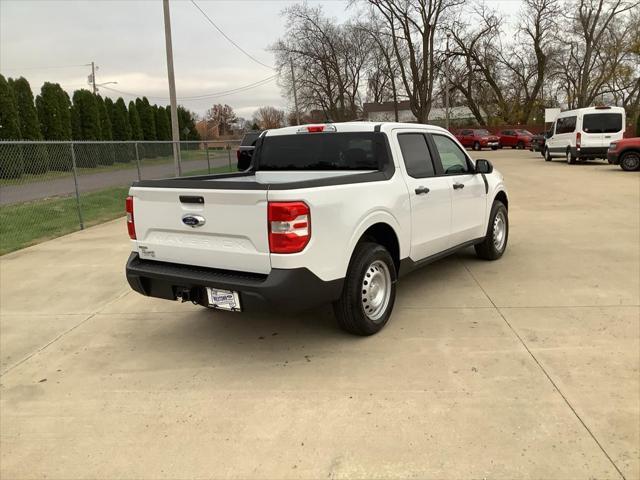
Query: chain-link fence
x,y
48,189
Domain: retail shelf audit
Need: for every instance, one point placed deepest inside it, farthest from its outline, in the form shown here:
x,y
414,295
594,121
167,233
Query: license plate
x,y
223,299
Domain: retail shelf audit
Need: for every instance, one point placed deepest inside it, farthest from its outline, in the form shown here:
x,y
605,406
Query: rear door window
x,y
416,155
602,123
249,139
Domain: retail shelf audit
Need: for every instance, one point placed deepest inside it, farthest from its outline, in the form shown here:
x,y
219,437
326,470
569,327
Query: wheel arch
x,y
501,195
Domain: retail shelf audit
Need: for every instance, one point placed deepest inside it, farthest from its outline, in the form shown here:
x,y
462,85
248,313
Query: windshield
x,y
482,132
323,151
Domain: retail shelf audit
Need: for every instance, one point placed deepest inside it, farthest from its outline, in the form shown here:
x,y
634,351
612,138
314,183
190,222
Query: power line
x,y
229,39
203,96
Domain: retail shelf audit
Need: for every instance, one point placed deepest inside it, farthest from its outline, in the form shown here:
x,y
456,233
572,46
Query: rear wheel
x,y
630,161
495,243
520,145
369,291
476,145
571,159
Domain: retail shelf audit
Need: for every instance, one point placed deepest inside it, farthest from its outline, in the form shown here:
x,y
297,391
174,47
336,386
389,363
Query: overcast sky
x,y
50,40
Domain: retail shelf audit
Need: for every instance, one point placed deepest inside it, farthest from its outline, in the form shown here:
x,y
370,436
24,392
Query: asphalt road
x,y
526,367
88,182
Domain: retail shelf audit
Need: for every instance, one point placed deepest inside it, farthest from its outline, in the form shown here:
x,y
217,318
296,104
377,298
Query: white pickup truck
x,y
329,213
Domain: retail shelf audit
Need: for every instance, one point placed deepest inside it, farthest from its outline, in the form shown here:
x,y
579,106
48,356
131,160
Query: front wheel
x,y
547,155
369,291
495,242
476,146
630,161
520,145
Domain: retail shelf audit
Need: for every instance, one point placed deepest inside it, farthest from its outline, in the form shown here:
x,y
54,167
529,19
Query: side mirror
x,y
483,166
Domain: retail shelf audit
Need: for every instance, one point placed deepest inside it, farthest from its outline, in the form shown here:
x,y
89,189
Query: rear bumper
x,y
590,152
291,289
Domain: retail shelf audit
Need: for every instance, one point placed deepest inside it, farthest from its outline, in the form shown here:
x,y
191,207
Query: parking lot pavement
x,y
527,367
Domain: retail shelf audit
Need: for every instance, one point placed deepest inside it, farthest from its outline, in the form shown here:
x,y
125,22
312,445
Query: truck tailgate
x,y
233,236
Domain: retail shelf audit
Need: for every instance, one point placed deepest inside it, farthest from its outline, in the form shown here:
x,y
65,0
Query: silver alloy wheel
x,y
376,290
499,231
631,161
568,156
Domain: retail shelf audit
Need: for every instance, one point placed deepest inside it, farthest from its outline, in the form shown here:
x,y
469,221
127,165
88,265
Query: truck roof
x,y
356,127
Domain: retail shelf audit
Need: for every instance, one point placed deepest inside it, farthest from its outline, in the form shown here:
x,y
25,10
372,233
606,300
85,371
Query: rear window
x,y
602,123
482,132
323,151
249,139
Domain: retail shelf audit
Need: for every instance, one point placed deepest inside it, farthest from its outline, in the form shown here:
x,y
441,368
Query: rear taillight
x,y
289,226
578,139
131,226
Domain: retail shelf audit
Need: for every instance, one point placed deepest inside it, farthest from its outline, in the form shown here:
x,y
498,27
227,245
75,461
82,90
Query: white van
x,y
584,133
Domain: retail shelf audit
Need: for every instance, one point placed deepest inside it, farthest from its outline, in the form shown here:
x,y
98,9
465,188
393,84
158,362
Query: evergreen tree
x,y
85,107
186,124
64,110
53,107
106,152
163,127
34,156
10,155
121,125
86,126
106,129
134,121
108,104
29,125
147,120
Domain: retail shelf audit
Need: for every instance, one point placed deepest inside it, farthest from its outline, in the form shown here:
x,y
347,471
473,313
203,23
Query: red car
x,y
515,138
477,139
626,153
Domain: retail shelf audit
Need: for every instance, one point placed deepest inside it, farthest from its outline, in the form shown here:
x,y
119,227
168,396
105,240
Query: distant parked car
x,y
245,150
537,143
515,138
477,139
626,153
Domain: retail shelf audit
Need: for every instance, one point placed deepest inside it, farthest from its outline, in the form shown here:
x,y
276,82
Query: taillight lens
x,y
578,139
131,226
289,226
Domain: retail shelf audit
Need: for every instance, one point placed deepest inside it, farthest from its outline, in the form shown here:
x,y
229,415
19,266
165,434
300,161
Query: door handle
x,y
421,190
457,186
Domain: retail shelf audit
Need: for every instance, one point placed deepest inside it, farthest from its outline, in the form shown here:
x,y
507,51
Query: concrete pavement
x,y
522,368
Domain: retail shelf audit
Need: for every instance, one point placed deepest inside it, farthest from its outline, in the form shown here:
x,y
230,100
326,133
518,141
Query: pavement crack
x,y
79,324
544,371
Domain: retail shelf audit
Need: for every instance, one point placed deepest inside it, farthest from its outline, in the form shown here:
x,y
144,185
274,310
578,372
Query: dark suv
x,y
245,150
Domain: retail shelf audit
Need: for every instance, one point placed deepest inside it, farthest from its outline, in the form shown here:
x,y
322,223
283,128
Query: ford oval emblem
x,y
193,221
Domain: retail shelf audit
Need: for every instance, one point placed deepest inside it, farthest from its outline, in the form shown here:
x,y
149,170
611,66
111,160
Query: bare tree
x,y
414,26
328,61
595,48
269,117
221,116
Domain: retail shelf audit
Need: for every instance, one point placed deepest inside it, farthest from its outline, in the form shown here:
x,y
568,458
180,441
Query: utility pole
x,y
175,133
446,89
93,77
295,92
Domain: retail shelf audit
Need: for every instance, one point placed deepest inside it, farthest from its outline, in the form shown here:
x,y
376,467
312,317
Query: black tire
x,y
476,145
520,145
350,307
494,148
570,157
630,161
488,250
547,155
